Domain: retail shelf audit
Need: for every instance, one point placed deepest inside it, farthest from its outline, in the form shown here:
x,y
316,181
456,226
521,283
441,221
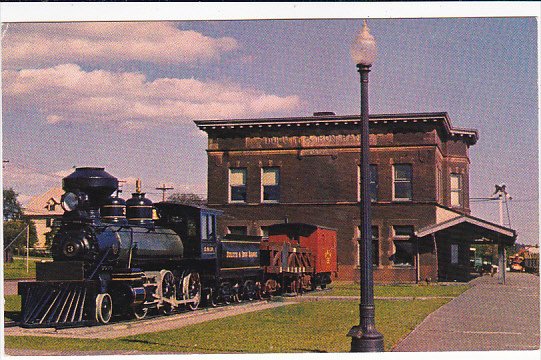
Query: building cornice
x,y
469,135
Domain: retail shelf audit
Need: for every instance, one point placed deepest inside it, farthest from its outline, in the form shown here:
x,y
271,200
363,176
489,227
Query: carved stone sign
x,y
302,141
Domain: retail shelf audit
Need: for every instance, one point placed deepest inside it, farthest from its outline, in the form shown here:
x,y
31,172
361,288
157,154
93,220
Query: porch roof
x,y
472,229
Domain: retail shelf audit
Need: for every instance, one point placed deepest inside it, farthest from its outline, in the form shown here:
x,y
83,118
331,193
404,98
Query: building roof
x,y
329,119
469,228
38,205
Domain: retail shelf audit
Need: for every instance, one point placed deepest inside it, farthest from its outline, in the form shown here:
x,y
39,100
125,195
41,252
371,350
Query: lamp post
x,y
365,337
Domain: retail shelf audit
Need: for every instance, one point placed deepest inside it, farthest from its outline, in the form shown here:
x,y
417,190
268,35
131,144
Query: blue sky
x,y
140,86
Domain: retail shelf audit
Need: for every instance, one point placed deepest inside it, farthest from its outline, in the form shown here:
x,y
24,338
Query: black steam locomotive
x,y
133,257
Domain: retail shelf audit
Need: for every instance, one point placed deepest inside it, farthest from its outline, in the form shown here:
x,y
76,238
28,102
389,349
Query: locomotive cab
x,y
195,225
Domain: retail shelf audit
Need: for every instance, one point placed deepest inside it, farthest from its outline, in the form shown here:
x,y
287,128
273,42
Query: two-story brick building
x,y
306,169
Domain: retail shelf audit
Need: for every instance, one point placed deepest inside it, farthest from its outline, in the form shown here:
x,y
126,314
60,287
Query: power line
x,y
164,188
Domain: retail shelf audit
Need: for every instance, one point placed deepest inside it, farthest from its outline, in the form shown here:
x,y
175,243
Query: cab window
x,y
208,227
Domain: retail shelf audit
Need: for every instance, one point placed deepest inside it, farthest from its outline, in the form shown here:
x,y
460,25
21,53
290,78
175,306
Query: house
x,y
42,210
306,169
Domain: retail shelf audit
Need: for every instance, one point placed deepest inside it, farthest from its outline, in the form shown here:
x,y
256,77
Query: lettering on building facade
x,y
302,141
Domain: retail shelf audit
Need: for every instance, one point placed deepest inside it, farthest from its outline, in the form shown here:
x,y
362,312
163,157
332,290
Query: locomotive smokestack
x,y
87,189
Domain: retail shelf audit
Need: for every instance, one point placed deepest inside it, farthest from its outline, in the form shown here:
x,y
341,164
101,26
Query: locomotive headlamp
x,y
70,201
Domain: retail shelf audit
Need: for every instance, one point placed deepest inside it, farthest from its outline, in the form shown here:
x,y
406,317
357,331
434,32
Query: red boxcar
x,y
320,240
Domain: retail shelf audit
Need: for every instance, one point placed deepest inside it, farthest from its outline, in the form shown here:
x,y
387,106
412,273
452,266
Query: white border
x,y
31,12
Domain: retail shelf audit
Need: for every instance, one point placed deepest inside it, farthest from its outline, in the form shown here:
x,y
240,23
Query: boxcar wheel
x,y
167,309
140,312
104,308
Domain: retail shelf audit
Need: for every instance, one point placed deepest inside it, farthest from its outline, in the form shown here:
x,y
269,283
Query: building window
x,y
404,253
456,190
270,184
208,227
454,253
237,185
238,230
402,175
373,183
265,232
375,246
402,231
439,185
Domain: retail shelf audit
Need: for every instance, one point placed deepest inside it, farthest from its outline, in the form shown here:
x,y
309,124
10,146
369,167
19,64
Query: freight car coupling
x,y
127,259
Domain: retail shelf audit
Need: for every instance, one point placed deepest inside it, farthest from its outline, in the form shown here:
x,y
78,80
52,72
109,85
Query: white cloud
x,y
39,44
67,93
31,181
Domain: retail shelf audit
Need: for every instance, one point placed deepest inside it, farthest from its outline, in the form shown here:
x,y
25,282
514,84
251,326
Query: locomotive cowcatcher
x,y
129,258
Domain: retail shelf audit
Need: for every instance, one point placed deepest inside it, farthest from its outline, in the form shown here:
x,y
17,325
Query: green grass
x,y
12,303
12,307
342,288
17,269
305,327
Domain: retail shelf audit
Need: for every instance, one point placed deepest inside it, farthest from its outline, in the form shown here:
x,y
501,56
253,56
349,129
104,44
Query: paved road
x,y
488,316
10,287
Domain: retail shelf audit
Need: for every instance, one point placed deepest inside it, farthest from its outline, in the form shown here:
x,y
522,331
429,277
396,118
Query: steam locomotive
x,y
129,258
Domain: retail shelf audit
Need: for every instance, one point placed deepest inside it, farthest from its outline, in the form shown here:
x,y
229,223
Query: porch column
x,y
501,263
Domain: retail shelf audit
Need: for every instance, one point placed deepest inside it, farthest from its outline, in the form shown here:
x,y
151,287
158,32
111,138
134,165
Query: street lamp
x,y
365,337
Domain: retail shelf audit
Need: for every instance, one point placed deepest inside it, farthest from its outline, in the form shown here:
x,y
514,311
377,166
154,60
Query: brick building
x,y
306,169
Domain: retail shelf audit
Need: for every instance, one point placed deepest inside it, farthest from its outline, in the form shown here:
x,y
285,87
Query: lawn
x,y
305,327
17,269
12,307
342,288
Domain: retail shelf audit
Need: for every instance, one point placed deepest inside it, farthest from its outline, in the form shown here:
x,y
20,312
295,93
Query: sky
x,y
124,95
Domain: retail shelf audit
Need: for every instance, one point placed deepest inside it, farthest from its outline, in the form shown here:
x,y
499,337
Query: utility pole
x,y
164,188
27,246
502,257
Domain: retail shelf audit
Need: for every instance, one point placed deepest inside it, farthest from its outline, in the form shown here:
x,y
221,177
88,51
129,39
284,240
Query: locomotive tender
x,y
116,257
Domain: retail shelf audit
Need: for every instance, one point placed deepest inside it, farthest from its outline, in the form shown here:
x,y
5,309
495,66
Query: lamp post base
x,y
368,341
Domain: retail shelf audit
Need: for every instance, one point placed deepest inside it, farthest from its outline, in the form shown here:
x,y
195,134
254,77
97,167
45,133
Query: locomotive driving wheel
x,y
211,298
194,290
226,293
237,293
104,308
167,292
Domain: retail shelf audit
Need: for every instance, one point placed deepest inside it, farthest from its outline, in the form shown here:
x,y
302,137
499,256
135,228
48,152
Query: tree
x,y
49,236
187,199
12,207
14,223
12,228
